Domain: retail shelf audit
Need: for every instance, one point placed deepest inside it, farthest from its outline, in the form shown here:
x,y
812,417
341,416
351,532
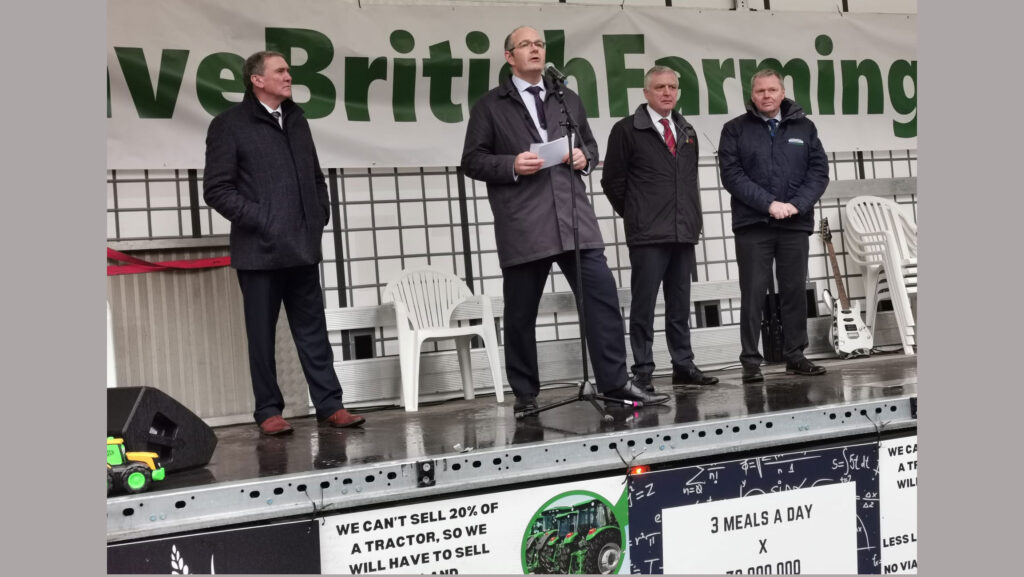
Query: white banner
x,y
565,528
800,531
897,488
390,85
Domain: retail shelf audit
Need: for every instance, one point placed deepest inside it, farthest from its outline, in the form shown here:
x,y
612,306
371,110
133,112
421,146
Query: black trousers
x,y
757,246
671,266
298,288
606,339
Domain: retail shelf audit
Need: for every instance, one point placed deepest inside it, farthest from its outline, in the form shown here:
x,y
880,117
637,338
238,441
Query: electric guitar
x,y
850,338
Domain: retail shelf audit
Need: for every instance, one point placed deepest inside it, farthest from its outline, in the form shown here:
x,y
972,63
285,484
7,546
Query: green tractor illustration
x,y
543,527
130,471
551,558
596,546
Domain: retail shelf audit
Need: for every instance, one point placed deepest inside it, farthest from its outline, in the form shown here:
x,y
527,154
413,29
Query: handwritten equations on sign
x,y
764,511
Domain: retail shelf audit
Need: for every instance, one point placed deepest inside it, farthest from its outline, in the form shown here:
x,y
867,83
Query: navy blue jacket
x,y
268,183
758,169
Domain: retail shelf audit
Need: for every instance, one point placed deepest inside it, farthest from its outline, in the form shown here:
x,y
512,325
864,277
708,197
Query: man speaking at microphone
x,y
533,220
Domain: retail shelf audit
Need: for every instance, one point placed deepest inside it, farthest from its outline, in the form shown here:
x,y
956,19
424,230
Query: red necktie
x,y
669,139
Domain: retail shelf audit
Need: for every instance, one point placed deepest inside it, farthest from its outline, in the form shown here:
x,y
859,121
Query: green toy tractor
x,y
130,471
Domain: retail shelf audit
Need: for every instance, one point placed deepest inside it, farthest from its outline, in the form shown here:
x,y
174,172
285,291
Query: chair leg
x,y
491,348
871,296
462,345
901,305
904,316
411,377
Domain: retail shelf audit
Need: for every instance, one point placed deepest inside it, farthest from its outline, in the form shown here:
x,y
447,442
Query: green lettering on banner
x,y
479,68
319,54
211,84
579,68
359,73
150,102
441,69
796,69
826,76
852,73
901,102
689,84
715,73
403,95
620,78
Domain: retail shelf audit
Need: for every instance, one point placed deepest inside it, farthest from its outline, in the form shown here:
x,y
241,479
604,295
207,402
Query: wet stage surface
x,y
459,425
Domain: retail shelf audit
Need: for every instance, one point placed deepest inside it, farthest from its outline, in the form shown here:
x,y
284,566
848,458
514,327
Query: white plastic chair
x,y
424,302
883,239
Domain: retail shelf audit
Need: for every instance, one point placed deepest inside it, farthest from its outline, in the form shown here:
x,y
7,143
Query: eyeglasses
x,y
526,44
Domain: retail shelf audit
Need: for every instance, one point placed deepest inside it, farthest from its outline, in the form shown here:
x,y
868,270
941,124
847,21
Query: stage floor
x,y
461,446
461,426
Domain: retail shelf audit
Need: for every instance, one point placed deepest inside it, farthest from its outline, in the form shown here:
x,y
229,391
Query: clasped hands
x,y
781,210
527,163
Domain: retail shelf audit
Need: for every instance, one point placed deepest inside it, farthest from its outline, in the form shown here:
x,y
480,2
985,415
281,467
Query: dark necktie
x,y
772,125
535,91
277,116
670,140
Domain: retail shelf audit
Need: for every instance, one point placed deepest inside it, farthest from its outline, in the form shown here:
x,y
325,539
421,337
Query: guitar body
x,y
850,337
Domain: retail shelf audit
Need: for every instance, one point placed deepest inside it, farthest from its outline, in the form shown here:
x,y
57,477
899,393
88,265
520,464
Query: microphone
x,y
555,74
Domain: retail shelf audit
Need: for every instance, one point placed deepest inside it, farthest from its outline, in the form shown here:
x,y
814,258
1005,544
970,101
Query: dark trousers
x,y
757,247
298,288
671,266
606,340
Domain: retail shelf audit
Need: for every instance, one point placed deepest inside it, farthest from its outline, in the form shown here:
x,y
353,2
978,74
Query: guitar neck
x,y
844,301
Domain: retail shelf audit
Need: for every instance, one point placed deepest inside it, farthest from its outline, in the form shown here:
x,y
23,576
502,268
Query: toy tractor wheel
x,y
604,553
110,480
135,478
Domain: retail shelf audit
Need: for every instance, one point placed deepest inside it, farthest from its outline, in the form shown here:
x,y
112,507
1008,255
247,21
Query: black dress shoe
x,y
752,374
631,392
525,404
804,367
644,383
692,377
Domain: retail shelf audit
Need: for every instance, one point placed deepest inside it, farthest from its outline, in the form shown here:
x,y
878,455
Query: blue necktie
x,y
772,125
535,91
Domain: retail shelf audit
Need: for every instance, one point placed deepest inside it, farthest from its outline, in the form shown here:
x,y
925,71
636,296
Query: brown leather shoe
x,y
343,418
275,425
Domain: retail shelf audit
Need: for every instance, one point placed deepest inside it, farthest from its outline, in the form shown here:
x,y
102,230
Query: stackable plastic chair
x,y
882,238
424,301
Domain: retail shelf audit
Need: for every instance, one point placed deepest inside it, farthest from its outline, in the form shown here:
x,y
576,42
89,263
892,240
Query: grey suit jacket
x,y
532,215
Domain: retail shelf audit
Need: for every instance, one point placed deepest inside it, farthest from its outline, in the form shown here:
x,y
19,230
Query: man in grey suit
x,y
263,175
533,220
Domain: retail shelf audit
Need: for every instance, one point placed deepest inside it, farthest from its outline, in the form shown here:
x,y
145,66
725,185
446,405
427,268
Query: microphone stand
x,y
586,391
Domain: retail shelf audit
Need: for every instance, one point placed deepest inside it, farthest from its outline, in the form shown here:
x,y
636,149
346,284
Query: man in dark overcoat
x,y
263,175
533,220
650,179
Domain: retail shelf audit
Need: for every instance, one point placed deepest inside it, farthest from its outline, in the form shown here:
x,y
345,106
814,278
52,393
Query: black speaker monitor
x,y
149,419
